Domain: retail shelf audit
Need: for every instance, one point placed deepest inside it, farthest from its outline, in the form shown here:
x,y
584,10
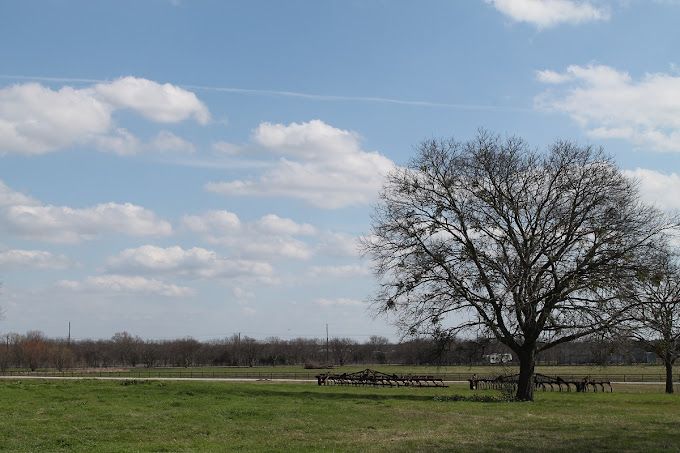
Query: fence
x,y
297,375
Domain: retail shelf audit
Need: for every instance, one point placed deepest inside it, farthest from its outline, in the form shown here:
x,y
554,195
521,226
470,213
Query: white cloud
x,y
191,263
609,104
35,119
273,246
339,244
549,13
341,301
70,225
217,223
125,284
659,189
27,218
166,141
269,236
32,259
319,164
548,76
163,103
9,197
341,271
271,223
120,141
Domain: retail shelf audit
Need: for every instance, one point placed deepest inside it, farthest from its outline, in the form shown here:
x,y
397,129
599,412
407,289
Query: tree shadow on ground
x,y
335,396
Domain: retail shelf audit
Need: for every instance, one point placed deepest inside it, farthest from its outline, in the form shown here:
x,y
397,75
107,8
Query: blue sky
x,y
175,168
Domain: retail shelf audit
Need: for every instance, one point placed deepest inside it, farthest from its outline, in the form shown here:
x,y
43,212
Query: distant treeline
x,y
34,350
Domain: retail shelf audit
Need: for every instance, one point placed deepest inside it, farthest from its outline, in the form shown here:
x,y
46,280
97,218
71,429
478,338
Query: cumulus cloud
x,y
191,263
339,244
273,224
108,284
609,103
30,219
549,13
269,236
119,141
659,189
217,223
35,119
32,259
163,103
318,163
9,197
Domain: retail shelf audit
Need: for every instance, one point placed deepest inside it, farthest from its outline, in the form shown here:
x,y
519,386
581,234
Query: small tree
x,y
489,235
656,316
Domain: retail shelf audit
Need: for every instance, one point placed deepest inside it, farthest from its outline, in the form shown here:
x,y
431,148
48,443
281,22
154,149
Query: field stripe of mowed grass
x,y
217,416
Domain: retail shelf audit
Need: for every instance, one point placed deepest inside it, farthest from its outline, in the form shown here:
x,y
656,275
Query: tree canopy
x,y
528,246
655,318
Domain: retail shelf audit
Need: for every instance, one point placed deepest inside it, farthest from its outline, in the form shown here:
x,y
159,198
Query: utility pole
x,y
69,334
326,343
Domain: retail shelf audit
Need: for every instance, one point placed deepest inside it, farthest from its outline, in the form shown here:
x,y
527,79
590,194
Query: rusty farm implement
x,y
370,377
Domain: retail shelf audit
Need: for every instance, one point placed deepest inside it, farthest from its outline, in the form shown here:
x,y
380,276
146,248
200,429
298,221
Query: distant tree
x,y
656,316
184,351
490,236
61,355
34,349
149,353
341,349
378,346
127,348
5,352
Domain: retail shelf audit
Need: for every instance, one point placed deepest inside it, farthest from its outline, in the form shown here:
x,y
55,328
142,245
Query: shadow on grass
x,y
337,396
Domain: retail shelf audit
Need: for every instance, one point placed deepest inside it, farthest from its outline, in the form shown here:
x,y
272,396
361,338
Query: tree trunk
x,y
525,383
669,375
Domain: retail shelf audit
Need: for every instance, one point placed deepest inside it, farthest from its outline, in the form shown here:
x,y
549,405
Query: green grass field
x,y
86,415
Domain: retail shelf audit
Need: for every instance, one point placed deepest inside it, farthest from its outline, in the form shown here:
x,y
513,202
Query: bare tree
x,y
656,316
490,236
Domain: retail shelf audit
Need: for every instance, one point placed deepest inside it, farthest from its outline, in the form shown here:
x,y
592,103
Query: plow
x,y
370,377
542,382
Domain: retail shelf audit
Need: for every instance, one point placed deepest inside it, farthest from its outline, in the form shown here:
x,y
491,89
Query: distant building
x,y
504,357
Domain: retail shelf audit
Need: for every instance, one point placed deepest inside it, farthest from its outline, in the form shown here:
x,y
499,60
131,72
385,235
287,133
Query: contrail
x,y
50,79
296,94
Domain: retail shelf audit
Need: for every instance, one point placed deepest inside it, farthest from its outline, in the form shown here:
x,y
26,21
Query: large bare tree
x,y
491,235
655,318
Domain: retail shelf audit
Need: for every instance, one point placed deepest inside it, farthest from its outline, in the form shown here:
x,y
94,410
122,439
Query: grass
x,y
217,416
